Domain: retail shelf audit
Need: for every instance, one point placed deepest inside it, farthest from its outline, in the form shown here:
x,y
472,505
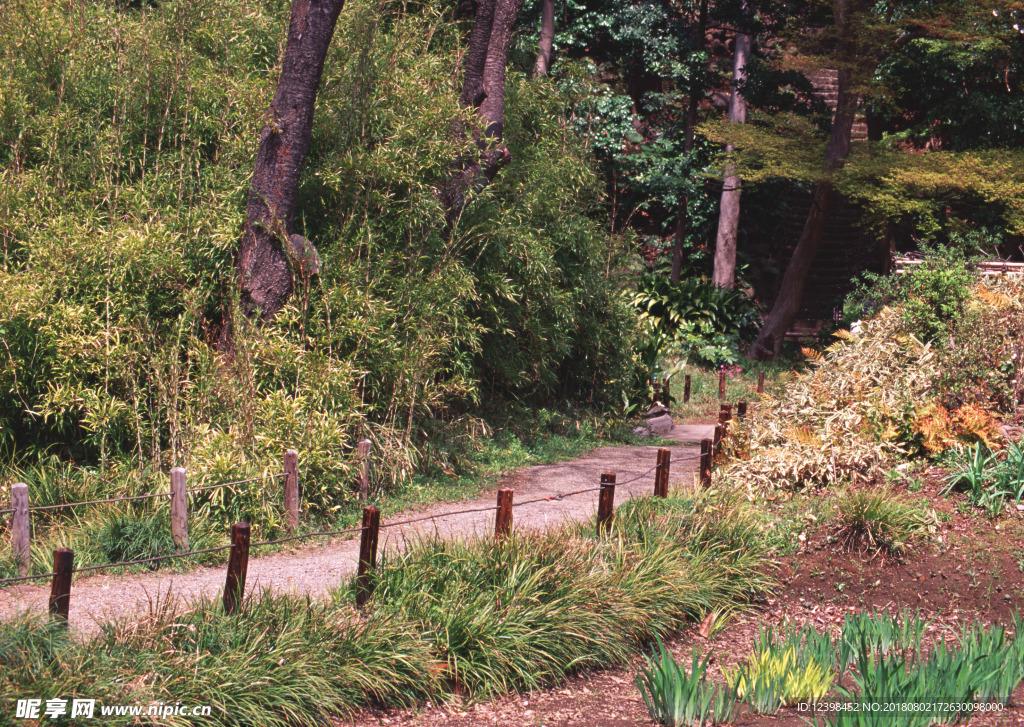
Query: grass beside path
x,y
476,618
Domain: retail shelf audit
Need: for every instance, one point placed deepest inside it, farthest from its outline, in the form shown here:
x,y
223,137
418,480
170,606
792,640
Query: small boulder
x,y
661,424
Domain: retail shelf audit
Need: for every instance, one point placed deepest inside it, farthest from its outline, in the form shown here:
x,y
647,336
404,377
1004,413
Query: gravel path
x,y
316,569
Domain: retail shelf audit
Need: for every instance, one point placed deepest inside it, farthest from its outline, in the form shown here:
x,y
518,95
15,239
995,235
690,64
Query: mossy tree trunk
x,y
269,250
484,90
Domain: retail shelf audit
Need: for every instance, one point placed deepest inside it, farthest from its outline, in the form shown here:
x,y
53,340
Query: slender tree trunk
x,y
547,38
483,89
729,211
268,249
691,124
787,303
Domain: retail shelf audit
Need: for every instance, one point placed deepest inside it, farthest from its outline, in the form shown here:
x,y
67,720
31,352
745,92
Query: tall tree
x,y
547,38
700,31
773,332
483,88
270,251
724,274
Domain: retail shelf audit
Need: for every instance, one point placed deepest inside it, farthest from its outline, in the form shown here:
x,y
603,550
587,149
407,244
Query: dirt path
x,y
315,570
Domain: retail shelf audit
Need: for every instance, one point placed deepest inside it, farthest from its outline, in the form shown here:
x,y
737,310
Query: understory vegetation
x,y
902,384
476,618
890,679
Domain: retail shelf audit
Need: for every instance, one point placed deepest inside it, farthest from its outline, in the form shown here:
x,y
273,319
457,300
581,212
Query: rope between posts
x,y
5,581
4,512
438,517
560,496
309,535
100,502
151,560
237,482
638,477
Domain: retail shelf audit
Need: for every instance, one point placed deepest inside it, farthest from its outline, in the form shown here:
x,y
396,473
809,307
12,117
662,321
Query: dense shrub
x,y
696,319
929,295
126,154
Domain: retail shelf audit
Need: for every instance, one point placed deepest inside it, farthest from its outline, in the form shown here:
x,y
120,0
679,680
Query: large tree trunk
x,y
787,303
547,38
691,125
483,89
269,251
724,274
773,332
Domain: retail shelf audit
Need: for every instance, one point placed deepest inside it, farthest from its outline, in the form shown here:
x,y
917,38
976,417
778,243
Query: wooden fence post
x,y
21,532
705,462
606,503
661,473
668,395
503,517
367,554
291,489
238,564
60,588
363,449
719,434
179,508
741,410
686,389
721,384
760,382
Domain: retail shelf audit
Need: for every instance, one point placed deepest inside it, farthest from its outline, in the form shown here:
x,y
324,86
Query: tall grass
x,y
475,618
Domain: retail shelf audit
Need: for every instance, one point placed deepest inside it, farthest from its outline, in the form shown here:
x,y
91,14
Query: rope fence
x,y
369,530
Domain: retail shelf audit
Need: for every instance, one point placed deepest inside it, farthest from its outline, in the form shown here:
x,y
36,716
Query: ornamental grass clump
x,y
876,520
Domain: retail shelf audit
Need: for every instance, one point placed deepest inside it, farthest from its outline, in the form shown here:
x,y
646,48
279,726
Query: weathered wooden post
x,y
179,508
741,410
291,489
60,588
367,554
721,384
760,382
686,389
238,564
363,450
503,517
719,434
606,503
661,473
668,395
725,413
21,532
706,446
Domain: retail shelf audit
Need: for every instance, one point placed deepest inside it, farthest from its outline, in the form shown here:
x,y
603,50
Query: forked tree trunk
x,y
483,89
773,332
547,39
691,124
269,251
724,274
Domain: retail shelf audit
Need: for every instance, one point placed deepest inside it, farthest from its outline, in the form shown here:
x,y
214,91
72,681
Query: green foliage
x,y
470,618
696,319
125,163
929,296
879,521
990,479
680,699
525,612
